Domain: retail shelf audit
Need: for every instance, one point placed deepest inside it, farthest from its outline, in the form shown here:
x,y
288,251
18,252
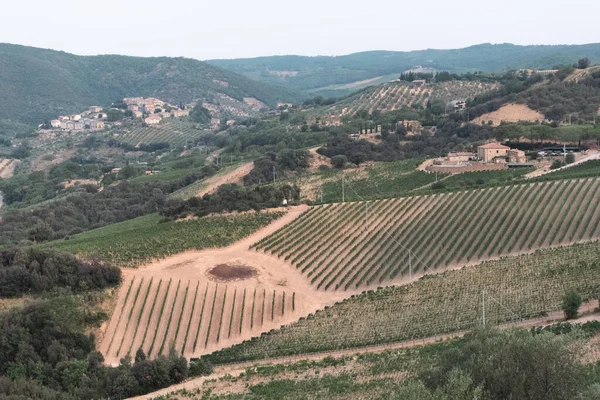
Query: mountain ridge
x,y
314,72
40,84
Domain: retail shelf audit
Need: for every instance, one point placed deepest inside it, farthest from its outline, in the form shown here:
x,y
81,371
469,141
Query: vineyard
x,y
380,181
176,133
140,240
361,245
7,166
397,95
515,288
194,316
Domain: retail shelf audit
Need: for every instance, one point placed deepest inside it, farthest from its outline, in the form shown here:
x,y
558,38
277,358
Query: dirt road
x,y
540,172
235,176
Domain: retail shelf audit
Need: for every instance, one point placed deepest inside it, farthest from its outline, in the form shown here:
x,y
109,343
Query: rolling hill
x,y
396,95
319,73
39,84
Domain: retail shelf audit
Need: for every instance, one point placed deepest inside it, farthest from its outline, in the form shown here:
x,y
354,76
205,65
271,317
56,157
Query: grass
x,y
140,240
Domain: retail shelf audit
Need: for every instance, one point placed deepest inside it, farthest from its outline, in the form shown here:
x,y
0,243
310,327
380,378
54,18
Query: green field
x,y
516,288
140,240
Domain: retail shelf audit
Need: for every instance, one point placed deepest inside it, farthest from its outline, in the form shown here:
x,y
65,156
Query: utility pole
x,y
273,174
483,304
409,266
343,194
366,216
321,194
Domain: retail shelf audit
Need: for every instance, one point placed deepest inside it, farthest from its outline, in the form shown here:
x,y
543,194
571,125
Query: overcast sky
x,y
249,28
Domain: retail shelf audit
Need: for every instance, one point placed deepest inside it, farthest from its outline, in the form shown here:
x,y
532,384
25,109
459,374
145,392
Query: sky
x,y
250,28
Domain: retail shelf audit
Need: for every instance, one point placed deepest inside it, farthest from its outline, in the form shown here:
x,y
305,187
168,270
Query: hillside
x,y
349,246
399,94
304,73
569,96
40,84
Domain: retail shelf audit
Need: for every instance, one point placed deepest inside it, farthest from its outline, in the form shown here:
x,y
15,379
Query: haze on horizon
x,y
239,29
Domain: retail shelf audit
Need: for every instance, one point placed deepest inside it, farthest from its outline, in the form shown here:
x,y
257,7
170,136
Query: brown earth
x,y
271,274
7,167
228,272
235,176
510,113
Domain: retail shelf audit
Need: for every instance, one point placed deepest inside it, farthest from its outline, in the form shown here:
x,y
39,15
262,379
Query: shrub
x,y
339,161
570,158
571,303
200,367
556,164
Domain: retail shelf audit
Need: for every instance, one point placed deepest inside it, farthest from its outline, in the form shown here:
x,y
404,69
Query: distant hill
x,y
321,74
38,84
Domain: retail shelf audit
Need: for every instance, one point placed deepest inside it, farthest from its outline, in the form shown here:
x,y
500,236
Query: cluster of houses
x,y
91,119
488,157
155,110
152,110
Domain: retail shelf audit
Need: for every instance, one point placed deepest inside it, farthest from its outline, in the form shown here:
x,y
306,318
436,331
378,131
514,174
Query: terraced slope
x,y
396,95
355,246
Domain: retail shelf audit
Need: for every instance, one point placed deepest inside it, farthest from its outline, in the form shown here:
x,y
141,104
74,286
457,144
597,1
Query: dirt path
x,y
235,176
236,369
272,274
540,172
7,167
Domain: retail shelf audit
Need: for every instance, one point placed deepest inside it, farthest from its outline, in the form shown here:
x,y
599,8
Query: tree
x,y
571,303
140,355
200,114
583,63
570,158
40,233
114,115
339,161
557,164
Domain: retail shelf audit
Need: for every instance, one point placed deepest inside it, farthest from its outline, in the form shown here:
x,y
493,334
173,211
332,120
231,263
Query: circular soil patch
x,y
226,272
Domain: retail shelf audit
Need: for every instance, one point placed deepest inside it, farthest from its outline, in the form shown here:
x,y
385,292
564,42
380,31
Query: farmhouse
x,y
153,119
488,152
180,113
95,109
516,156
55,123
95,124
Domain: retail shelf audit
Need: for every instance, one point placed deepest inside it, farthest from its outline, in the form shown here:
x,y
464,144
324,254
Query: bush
x,y
339,161
570,158
556,164
200,367
571,303
583,63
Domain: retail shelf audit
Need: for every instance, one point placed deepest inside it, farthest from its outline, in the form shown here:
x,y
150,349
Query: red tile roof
x,y
494,146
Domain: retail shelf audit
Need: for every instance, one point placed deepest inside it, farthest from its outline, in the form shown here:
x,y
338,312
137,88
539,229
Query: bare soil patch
x,y
510,113
234,176
228,272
